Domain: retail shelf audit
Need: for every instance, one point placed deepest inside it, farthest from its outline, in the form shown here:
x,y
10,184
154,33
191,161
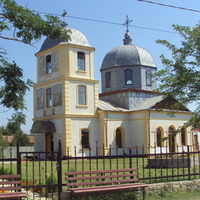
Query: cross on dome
x,y
127,22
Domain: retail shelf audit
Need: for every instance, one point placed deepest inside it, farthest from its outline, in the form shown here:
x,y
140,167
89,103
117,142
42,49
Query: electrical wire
x,y
167,5
107,22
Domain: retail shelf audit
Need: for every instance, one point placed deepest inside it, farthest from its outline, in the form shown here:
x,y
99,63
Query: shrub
x,y
6,171
52,179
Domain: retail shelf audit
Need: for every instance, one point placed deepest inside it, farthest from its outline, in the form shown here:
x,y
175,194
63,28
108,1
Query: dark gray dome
x,y
127,55
76,38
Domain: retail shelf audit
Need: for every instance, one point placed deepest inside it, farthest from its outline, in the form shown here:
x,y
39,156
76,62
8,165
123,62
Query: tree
x,y
180,79
21,138
3,139
27,27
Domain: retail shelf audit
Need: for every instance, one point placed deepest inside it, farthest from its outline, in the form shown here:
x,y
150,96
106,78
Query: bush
x,y
6,171
52,179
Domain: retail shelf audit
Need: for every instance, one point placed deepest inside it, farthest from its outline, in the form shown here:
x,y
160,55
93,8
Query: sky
x,y
101,21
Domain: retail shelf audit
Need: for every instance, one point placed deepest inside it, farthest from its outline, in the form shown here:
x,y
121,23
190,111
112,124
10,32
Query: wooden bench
x,y
11,184
103,181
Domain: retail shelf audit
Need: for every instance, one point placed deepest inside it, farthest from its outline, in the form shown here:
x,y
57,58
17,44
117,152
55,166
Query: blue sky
x,y
104,36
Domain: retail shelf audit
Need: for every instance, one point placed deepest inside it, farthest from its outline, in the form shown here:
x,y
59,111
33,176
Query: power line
x,y
167,5
107,22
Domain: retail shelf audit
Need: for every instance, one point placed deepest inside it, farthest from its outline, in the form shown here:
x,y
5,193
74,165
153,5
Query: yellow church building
x,y
68,106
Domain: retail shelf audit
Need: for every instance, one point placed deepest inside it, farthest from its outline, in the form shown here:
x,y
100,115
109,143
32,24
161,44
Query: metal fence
x,y
43,173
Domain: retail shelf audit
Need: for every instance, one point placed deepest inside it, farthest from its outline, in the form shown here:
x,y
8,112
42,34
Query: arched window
x,y
183,136
128,77
48,98
159,137
85,139
48,65
148,77
118,138
81,61
81,95
108,79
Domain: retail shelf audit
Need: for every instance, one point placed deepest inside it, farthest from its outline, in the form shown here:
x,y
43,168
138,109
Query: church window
x,y
159,137
81,61
48,98
128,77
40,99
118,138
48,64
108,79
183,136
57,95
81,95
149,77
85,139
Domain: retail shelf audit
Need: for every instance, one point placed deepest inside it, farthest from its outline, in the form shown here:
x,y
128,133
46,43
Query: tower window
x,y
85,139
128,77
108,79
148,78
48,98
81,95
48,64
81,61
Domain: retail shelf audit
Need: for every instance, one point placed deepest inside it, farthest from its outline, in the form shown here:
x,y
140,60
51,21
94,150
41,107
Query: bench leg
x,y
144,193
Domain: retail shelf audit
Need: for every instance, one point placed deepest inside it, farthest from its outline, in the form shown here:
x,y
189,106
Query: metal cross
x,y
64,18
127,22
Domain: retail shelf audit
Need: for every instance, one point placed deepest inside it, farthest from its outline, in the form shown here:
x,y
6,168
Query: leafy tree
x,y
3,140
21,138
180,79
27,27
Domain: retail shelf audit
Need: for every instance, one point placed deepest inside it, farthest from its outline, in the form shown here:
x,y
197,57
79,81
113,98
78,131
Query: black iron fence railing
x,y
43,173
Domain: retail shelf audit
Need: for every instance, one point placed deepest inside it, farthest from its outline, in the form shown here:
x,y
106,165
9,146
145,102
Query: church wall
x,y
84,123
163,121
144,85
46,111
89,108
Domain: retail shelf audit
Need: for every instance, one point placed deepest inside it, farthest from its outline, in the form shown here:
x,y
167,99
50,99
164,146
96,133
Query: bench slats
x,y
110,188
12,195
101,182
10,176
11,183
100,177
101,171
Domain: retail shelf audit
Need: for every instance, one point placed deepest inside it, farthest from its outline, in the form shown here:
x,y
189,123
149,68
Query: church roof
x,y
147,104
76,37
127,55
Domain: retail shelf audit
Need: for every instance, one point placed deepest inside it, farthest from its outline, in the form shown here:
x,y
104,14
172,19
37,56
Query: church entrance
x,y
49,144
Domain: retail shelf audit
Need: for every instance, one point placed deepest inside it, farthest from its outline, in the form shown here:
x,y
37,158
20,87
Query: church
x,y
68,106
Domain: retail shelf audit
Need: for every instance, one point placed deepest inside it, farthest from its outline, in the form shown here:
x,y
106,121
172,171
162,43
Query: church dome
x,y
127,55
76,36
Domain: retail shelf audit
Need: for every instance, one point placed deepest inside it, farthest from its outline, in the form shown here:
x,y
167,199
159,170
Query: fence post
x,y
18,159
59,169
188,156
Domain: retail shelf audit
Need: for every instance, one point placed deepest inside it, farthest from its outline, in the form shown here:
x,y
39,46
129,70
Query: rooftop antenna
x,y
64,18
127,22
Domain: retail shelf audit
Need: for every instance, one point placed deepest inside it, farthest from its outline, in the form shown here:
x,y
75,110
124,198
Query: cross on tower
x,y
64,18
127,22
